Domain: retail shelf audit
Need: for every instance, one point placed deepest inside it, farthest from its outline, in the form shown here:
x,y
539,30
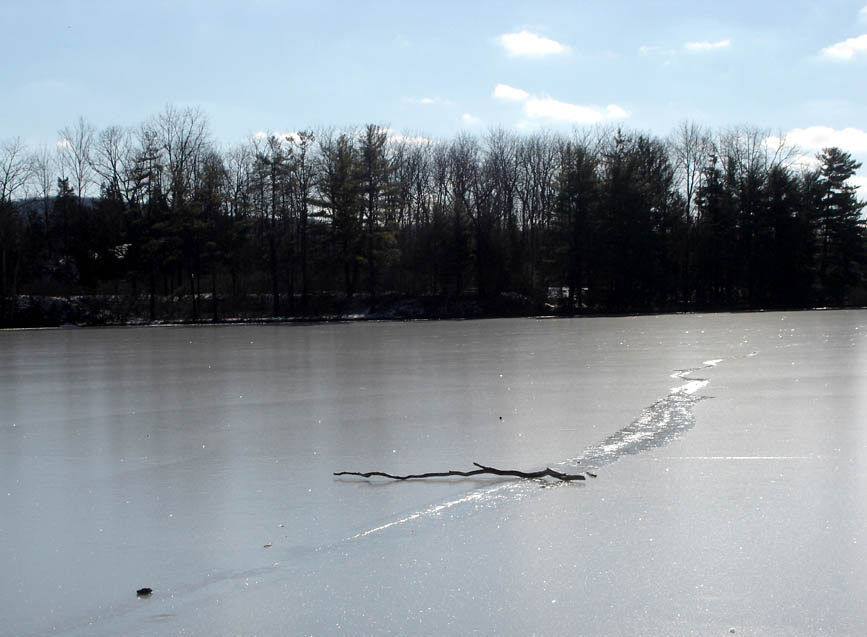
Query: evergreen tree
x,y
375,171
636,199
301,190
65,215
577,203
717,236
839,227
341,195
783,245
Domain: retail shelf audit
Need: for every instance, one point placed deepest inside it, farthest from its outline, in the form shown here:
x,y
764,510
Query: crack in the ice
x,y
662,422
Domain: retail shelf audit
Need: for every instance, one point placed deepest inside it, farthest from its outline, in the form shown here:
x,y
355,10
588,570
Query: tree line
x,y
602,220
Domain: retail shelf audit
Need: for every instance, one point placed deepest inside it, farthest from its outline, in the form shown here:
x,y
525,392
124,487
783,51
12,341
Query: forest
x,y
159,222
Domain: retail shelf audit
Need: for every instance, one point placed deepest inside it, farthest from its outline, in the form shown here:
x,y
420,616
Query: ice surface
x,y
169,458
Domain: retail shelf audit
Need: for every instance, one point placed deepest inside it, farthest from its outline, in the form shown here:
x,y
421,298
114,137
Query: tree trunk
x,y
275,285
214,294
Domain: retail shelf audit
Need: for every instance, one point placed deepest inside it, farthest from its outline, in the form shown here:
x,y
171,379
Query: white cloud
x,y
63,143
262,136
852,140
427,100
847,49
409,139
549,108
525,43
394,136
654,50
659,52
706,46
467,118
546,107
862,15
509,93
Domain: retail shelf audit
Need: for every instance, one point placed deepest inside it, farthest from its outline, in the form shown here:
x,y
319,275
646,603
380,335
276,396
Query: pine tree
x,y
717,234
839,227
576,204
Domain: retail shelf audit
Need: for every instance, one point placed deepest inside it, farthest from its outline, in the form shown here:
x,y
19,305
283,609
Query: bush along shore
x,y
96,310
116,310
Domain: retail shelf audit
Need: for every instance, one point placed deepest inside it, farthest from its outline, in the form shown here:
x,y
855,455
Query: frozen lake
x,y
730,449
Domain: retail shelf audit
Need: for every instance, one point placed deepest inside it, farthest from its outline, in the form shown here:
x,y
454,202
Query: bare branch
x,y
76,153
13,167
547,472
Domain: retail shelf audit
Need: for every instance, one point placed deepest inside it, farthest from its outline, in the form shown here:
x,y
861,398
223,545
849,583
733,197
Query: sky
x,y
436,69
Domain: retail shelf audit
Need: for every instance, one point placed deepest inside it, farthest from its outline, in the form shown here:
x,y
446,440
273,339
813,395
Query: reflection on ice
x,y
480,496
690,388
659,424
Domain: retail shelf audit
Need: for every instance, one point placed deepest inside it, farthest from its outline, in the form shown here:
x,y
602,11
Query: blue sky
x,y
438,68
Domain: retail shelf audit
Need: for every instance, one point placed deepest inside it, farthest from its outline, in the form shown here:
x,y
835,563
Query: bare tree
x,y
502,157
410,210
238,162
42,182
301,190
690,147
463,172
76,154
43,172
183,136
501,166
440,167
113,161
146,171
752,152
376,168
538,163
183,139
239,166
14,170
272,170
779,151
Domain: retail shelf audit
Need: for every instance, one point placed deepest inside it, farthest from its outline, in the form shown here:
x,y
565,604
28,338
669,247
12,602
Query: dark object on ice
x,y
144,592
566,477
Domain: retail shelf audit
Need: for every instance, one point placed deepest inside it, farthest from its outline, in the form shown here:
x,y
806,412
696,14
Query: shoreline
x,y
88,311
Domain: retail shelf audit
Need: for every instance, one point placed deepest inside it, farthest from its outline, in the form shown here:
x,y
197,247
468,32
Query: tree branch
x,y
547,472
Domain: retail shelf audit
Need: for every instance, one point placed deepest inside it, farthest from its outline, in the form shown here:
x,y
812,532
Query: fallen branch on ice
x,y
547,472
